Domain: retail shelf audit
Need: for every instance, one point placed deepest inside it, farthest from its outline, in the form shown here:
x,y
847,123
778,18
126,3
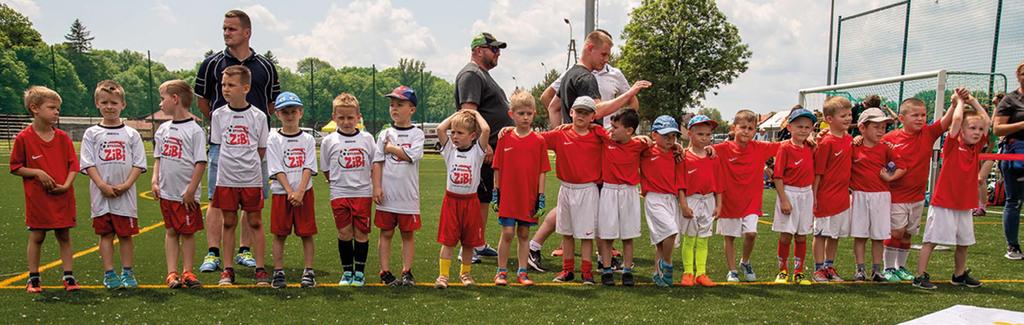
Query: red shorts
x,y
114,224
284,217
230,198
352,211
405,222
460,221
176,217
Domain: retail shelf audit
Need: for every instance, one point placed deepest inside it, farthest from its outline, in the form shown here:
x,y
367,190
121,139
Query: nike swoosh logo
x,y
567,142
509,148
798,162
839,153
589,233
733,159
691,171
34,157
962,149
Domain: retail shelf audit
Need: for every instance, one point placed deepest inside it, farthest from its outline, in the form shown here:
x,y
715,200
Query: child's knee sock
x,y
361,250
701,260
689,243
799,254
443,267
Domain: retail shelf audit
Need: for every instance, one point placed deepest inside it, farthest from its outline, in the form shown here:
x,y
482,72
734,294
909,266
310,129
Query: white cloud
x,y
165,13
181,58
28,8
262,17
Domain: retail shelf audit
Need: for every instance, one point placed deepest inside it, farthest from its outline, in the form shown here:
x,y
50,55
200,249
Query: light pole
x,y
570,57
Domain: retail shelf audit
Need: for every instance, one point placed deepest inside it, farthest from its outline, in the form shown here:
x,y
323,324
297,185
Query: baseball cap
x,y
404,93
801,112
486,39
664,125
873,115
701,119
287,99
585,102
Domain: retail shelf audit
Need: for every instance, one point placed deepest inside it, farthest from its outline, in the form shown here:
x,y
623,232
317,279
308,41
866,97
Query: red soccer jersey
x,y
742,176
520,161
794,165
703,174
661,173
915,149
833,160
868,163
620,162
957,188
577,157
56,158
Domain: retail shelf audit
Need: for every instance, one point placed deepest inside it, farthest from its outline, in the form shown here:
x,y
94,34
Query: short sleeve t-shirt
x,y
577,157
1012,106
290,154
952,189
620,162
661,173
463,167
57,159
240,133
348,161
180,145
113,152
475,85
520,161
794,165
833,161
400,180
742,175
611,81
703,174
264,86
868,163
578,81
915,150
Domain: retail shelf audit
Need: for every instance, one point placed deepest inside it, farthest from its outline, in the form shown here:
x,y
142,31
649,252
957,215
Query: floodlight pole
x,y
831,22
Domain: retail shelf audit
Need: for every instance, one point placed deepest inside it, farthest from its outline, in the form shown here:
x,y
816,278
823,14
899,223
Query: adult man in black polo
x,y
237,30
476,90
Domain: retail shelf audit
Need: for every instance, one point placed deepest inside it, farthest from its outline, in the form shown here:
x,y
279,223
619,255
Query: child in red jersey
x,y
703,197
832,164
794,204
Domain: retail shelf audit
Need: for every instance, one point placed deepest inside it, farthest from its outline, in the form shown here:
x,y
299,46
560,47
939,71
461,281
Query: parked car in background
x,y
719,138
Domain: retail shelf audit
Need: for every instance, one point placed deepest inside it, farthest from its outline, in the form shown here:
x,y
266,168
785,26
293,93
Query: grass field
x,y
545,303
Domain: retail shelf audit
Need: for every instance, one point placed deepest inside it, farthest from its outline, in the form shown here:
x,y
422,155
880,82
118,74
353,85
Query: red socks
x,y
799,252
783,254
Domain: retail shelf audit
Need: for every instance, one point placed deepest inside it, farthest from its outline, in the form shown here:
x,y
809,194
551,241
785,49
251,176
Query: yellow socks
x,y
443,266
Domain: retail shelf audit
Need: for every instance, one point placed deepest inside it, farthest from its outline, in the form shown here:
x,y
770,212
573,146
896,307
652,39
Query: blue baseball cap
x,y
664,125
404,93
801,112
287,99
701,119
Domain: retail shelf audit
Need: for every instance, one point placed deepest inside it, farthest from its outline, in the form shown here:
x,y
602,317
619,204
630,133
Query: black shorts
x,y
486,188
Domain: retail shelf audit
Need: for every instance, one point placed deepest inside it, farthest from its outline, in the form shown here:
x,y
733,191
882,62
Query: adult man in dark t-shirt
x,y
476,90
580,80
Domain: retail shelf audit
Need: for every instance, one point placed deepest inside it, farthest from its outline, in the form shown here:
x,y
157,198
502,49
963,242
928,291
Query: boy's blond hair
x,y
344,100
35,96
522,99
835,104
180,88
911,102
598,38
108,87
745,115
465,120
241,71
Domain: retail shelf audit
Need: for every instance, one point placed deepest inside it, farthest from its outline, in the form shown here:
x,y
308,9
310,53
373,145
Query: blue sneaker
x,y
211,263
111,280
359,279
666,274
346,279
748,272
487,250
128,279
245,259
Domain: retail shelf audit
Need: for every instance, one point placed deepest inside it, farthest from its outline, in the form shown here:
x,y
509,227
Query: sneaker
x,y
587,277
924,282
748,272
534,261
878,277
688,280
860,276
475,260
891,275
172,280
487,250
278,282
978,212
467,279
245,259
627,279
111,280
1013,253
732,276
782,277
308,279
965,280
128,279
820,276
705,281
501,279
388,279
407,279
210,263
227,277
801,279
190,281
833,275
359,279
557,252
70,284
441,282
905,274
615,253
608,279
33,286
524,279
262,278
346,279
565,276
666,274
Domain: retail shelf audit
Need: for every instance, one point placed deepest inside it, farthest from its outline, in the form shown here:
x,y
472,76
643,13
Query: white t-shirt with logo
x,y
348,161
180,145
400,180
463,166
239,133
114,152
291,155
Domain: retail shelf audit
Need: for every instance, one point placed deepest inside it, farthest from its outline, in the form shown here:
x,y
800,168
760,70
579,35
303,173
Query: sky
x,y
788,38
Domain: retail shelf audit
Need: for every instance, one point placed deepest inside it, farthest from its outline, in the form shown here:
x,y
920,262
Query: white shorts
x,y
870,217
619,214
949,227
577,210
703,206
835,226
907,216
801,219
662,215
736,227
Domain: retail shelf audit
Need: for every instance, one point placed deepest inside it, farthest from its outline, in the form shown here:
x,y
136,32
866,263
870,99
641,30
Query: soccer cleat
x,y
965,280
210,263
833,275
441,282
557,252
666,274
501,279
227,277
782,277
190,281
111,280
278,282
262,278
905,274
467,280
388,279
820,276
1013,253
475,260
33,286
308,279
891,275
608,279
748,272
534,261
70,284
346,279
128,279
878,277
688,280
359,279
524,279
407,279
487,250
565,276
801,279
860,276
924,282
705,281
587,277
173,281
732,276
627,279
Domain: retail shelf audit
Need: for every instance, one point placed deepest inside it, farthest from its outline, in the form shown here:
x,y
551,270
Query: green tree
x,y
540,120
316,64
16,29
50,68
78,39
714,114
270,57
13,80
685,48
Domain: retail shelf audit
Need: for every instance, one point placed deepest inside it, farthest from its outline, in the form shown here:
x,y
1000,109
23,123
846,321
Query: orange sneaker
x,y
189,280
501,279
524,279
687,280
705,281
70,284
33,286
173,281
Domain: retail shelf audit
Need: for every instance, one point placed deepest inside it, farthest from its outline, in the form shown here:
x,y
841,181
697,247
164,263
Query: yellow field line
x,y
5,284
